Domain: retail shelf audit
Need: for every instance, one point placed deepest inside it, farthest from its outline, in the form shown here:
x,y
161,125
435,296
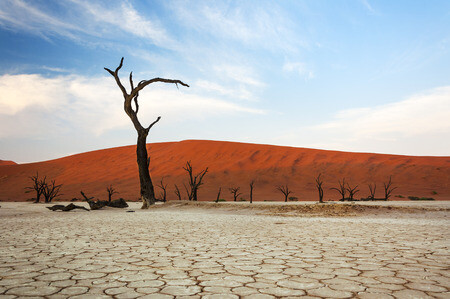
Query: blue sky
x,y
363,76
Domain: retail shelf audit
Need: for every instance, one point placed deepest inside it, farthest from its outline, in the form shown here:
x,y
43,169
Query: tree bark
x,y
147,190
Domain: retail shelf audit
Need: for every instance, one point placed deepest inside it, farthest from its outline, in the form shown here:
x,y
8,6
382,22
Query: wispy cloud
x,y
35,20
31,105
300,68
419,114
368,6
236,92
82,21
416,125
265,25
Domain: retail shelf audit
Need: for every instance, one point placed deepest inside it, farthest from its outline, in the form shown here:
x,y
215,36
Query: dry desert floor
x,y
207,250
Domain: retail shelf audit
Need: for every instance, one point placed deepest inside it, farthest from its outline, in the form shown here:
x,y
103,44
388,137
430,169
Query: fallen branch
x,y
67,208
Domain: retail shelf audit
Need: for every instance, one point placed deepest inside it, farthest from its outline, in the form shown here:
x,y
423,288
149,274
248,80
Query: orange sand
x,y
5,162
232,165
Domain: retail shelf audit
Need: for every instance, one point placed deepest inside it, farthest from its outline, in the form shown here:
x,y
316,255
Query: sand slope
x,y
233,165
6,162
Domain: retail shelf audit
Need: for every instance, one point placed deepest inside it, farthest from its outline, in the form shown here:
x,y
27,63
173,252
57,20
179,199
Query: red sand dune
x,y
233,165
5,162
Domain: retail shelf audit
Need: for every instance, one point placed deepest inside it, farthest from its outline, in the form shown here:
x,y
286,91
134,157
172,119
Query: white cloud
x,y
33,105
235,92
83,21
20,15
127,19
368,6
240,74
300,68
418,125
264,25
419,114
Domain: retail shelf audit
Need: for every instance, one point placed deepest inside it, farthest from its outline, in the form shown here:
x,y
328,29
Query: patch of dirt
x,y
308,209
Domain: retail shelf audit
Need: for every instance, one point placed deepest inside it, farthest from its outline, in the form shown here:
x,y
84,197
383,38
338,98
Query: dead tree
x,y
319,183
252,183
143,161
111,191
235,192
372,189
188,192
98,204
352,191
388,189
38,186
285,190
85,197
218,194
51,191
195,181
342,189
67,208
163,196
177,192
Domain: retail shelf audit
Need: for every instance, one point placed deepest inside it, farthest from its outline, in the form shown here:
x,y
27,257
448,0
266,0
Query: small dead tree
x,y
388,189
372,189
352,191
195,181
111,191
51,191
85,197
188,192
319,183
252,183
143,161
235,192
163,195
285,190
218,194
342,189
177,192
38,186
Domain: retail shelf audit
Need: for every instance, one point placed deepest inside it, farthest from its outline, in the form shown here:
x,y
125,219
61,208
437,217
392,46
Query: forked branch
x,y
319,183
285,190
388,189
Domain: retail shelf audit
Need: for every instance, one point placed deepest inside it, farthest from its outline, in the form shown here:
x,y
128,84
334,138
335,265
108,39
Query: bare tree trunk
x,y
177,192
251,190
195,181
218,194
147,190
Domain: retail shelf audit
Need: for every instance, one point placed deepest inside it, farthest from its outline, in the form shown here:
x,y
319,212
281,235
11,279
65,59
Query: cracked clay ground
x,y
170,253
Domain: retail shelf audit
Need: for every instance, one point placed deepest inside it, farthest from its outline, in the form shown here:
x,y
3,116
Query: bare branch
x,y
195,181
252,183
285,190
319,183
144,83
388,189
111,191
177,192
342,189
372,189
153,123
51,191
235,192
218,194
85,197
352,191
164,189
115,74
131,80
